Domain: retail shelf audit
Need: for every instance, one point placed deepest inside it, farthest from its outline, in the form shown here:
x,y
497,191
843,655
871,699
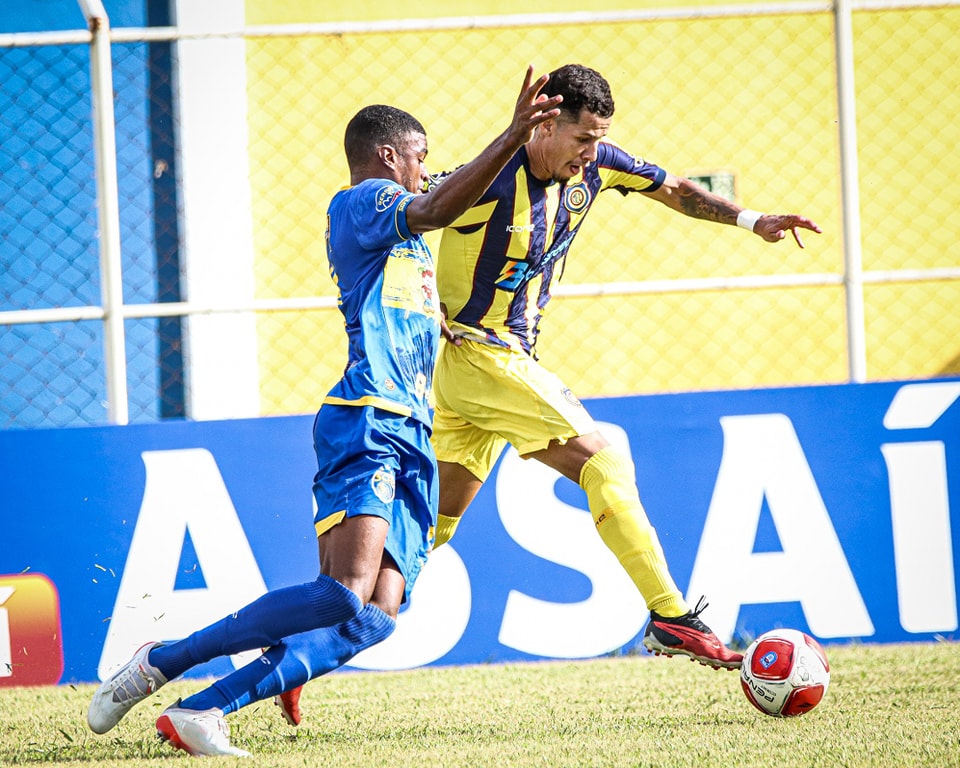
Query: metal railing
x,y
112,310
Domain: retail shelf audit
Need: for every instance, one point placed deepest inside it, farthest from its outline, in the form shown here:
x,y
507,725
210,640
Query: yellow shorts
x,y
489,396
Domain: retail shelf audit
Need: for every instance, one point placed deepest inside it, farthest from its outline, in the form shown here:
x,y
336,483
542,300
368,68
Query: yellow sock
x,y
608,479
446,527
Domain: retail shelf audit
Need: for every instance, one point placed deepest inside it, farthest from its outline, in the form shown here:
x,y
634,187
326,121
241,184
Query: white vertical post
x,y
108,210
222,372
850,188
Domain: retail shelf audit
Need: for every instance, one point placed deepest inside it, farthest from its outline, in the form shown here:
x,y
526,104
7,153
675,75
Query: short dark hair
x,y
582,88
376,125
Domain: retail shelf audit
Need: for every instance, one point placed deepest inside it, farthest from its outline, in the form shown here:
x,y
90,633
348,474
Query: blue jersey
x,y
497,261
387,294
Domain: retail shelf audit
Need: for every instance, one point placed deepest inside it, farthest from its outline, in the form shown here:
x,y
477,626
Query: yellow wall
x,y
753,96
320,11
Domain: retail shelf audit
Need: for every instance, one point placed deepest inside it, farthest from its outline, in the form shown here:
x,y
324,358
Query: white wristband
x,y
748,219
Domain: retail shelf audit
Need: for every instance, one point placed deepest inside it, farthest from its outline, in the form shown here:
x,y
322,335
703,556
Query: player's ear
x,y
388,155
547,127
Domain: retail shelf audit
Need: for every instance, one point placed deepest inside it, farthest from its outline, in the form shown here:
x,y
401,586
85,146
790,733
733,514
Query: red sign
x,y
31,643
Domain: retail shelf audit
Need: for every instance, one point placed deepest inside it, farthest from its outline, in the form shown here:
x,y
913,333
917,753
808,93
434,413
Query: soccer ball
x,y
785,673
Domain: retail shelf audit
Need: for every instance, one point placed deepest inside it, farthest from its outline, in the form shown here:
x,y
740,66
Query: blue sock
x,y
295,661
264,622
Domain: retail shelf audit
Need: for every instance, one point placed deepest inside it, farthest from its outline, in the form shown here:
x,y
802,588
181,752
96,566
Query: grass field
x,y
893,705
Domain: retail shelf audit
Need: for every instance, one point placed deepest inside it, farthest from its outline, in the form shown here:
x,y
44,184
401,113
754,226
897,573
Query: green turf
x,y
893,705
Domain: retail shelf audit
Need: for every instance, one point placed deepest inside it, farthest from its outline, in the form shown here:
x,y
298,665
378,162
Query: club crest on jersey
x,y
384,484
570,397
385,198
576,198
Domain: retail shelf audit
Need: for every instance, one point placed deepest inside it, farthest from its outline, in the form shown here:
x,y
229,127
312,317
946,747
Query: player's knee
x,y
609,479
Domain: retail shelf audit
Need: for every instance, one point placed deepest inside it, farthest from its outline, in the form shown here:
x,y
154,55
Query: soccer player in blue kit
x,y
376,485
496,264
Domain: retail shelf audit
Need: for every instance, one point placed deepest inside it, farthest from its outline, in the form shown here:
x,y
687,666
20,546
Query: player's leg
x,y
264,622
490,390
303,657
387,497
458,487
344,451
465,451
307,655
543,419
354,471
406,549
351,551
608,478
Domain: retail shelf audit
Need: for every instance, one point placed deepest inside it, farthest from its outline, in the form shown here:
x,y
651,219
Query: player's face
x,y
411,163
568,147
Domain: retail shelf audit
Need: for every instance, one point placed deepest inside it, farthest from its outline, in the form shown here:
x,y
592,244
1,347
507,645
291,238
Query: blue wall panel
x,y
73,499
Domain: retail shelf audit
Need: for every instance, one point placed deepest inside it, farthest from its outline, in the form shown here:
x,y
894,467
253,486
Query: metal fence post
x,y
850,190
108,207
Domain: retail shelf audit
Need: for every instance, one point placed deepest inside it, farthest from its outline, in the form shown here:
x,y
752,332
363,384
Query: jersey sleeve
x,y
379,213
625,172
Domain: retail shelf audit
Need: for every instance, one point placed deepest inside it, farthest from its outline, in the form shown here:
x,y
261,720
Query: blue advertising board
x,y
824,508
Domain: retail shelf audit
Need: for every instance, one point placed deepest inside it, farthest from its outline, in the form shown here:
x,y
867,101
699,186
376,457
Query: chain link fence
x,y
649,302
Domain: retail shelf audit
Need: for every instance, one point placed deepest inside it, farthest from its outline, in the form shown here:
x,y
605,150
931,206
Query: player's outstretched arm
x,y
464,186
693,200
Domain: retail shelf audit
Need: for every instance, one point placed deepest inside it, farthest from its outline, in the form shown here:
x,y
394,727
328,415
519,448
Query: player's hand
x,y
449,335
773,227
532,107
445,329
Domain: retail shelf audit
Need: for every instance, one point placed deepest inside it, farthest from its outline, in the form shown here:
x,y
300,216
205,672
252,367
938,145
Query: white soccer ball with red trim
x,y
785,673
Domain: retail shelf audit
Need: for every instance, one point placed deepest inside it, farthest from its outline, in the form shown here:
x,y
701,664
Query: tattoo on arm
x,y
701,204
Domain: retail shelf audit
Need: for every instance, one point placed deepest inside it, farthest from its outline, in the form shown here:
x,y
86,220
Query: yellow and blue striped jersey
x,y
497,261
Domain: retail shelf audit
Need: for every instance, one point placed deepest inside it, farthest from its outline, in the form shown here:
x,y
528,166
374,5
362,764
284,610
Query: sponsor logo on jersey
x,y
511,275
520,227
576,198
386,196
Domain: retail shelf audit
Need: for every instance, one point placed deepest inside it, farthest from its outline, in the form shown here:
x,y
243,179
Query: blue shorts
x,y
373,462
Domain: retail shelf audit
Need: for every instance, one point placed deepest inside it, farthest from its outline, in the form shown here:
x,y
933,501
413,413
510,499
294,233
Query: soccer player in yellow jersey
x,y
495,267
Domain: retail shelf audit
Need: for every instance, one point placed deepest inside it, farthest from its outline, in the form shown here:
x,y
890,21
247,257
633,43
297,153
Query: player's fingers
x,y
543,102
527,77
796,236
803,221
532,89
448,334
